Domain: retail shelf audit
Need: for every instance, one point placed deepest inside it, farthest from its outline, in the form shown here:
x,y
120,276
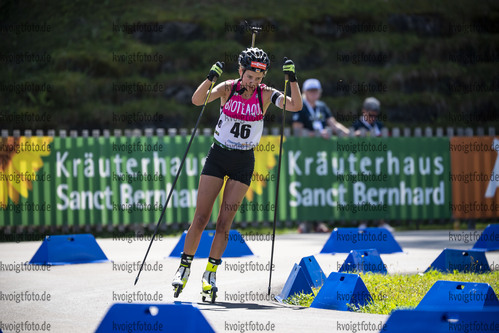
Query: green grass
x,y
396,291
302,299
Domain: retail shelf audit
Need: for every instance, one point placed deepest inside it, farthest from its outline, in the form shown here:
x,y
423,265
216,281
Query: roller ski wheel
x,y
209,287
177,290
209,295
180,280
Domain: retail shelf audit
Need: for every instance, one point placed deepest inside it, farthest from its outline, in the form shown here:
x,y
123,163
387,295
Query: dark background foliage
x,y
431,63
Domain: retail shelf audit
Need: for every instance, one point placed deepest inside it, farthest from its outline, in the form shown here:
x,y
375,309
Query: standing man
x,y
369,118
369,121
315,115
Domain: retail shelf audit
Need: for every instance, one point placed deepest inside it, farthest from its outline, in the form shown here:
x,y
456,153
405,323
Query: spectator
x,y
315,115
369,118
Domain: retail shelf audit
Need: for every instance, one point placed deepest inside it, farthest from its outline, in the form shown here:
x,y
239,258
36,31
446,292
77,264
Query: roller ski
x,y
182,274
209,286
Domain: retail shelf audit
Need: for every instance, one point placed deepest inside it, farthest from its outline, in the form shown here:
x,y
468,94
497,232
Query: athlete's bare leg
x,y
233,196
208,190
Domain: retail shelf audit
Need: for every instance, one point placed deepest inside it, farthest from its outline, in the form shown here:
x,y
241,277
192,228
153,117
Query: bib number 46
x,y
241,130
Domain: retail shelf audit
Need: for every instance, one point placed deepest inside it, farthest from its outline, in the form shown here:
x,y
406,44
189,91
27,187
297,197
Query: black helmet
x,y
254,59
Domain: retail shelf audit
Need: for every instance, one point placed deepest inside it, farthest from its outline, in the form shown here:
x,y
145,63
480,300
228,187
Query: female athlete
x,y
244,103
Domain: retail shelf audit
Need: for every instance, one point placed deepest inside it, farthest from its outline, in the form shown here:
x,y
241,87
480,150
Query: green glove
x,y
216,70
289,69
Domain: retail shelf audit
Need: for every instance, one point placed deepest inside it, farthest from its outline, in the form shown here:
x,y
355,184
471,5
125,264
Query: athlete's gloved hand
x,y
289,69
216,70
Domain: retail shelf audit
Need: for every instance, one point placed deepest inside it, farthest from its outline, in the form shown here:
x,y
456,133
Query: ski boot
x,y
210,289
182,275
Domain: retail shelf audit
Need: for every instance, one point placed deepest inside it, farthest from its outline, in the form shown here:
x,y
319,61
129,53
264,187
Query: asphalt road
x,y
75,298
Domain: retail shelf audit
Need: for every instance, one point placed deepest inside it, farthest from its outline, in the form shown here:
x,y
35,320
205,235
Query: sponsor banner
x,y
107,181
367,178
125,180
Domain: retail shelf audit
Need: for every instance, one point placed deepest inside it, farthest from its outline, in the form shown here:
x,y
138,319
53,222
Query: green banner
x,y
367,178
124,180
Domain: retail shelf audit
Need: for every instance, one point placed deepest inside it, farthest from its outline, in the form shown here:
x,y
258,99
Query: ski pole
x,y
176,178
286,80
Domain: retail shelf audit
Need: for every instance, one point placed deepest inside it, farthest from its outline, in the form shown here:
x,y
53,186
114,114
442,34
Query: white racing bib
x,y
240,125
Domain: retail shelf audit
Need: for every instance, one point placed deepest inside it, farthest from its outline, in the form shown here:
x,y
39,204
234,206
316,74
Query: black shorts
x,y
237,164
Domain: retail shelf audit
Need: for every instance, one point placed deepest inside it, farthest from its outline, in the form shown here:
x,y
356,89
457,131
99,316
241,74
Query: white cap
x,y
311,84
371,104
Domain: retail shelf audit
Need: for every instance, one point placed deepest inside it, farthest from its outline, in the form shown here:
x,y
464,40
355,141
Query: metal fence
x,y
385,132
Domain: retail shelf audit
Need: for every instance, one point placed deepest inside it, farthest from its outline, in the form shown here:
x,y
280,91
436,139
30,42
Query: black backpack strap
x,y
233,90
259,94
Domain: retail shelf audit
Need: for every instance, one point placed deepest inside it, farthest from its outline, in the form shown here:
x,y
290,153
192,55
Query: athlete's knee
x,y
200,221
223,224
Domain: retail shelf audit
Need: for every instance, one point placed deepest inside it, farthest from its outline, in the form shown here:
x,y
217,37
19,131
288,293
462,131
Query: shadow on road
x,y
224,306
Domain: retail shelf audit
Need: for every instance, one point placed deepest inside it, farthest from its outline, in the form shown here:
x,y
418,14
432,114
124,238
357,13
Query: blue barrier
x,y
182,318
344,240
489,239
467,261
459,296
295,284
236,245
313,271
341,289
68,249
363,261
441,321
